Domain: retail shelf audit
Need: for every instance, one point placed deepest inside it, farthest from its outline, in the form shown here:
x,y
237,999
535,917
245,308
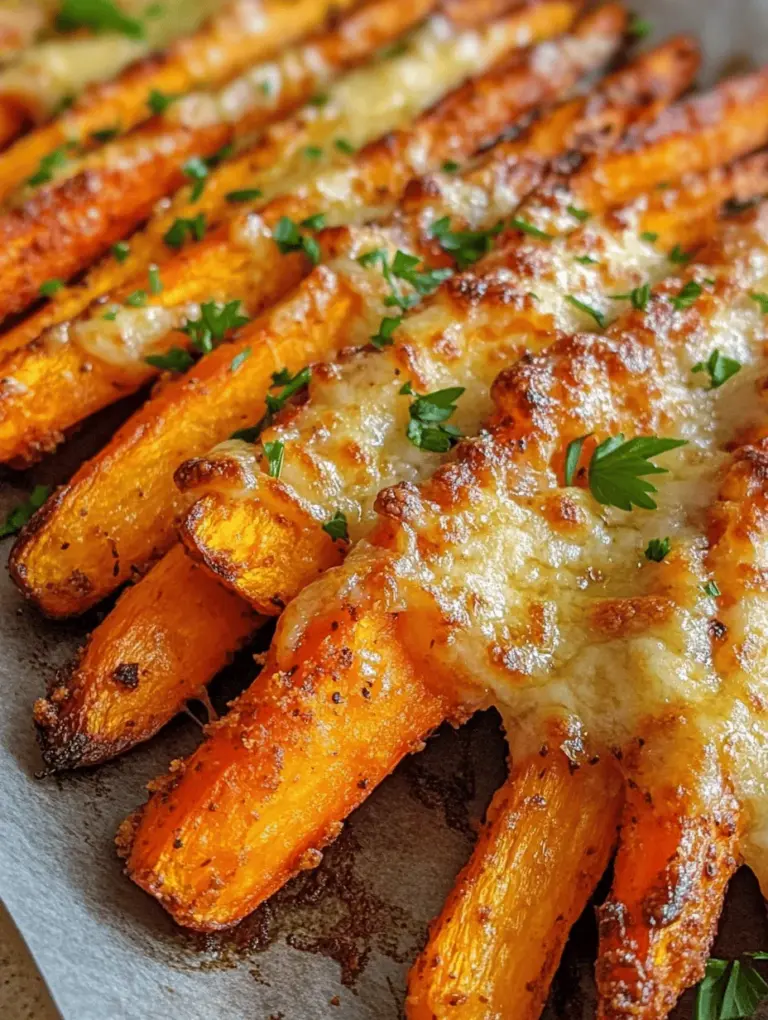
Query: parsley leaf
x,y
155,283
529,228
288,237
275,452
121,251
98,15
586,260
582,215
719,366
20,514
52,161
158,102
657,549
762,300
678,256
450,166
426,429
197,171
587,310
730,990
50,287
215,321
617,468
466,246
238,359
649,236
137,299
105,134
174,360
639,27
687,296
244,195
312,151
639,296
711,589
336,527
345,146
182,228
572,457
387,327
404,267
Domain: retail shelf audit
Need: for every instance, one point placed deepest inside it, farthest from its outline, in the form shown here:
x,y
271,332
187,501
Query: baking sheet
x,y
337,942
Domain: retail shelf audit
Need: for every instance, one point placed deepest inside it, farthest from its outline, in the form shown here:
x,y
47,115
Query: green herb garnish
x,y
618,467
529,228
275,453
50,287
719,366
183,228
99,16
428,414
594,313
336,527
215,321
174,360
20,514
657,549
466,246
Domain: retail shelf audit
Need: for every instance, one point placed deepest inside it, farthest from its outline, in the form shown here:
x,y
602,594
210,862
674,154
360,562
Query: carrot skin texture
x,y
218,51
672,870
65,560
546,842
166,637
275,778
66,225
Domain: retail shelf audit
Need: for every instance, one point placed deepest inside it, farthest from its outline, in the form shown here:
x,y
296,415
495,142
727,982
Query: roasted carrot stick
x,y
234,262
677,851
67,592
66,729
66,224
244,528
243,32
165,641
333,717
547,840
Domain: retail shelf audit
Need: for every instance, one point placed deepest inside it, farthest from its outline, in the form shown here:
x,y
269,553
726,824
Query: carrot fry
x,y
243,32
677,852
320,729
68,584
62,742
242,268
244,530
157,653
66,224
496,945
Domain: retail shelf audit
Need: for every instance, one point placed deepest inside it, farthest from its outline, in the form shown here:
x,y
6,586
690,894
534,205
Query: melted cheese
x,y
363,105
349,441
44,76
541,601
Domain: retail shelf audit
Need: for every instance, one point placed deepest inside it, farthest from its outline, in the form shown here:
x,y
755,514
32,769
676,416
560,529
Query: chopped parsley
x,y
20,514
428,414
529,228
105,135
719,366
387,327
215,321
639,296
679,257
345,146
450,166
183,228
657,549
312,151
158,102
687,296
319,99
52,161
730,989
618,467
404,267
99,16
121,251
50,287
466,246
593,313
238,359
639,27
275,453
155,283
137,299
336,527
649,236
711,589
586,260
572,457
197,171
288,237
174,360
244,195
762,300
582,215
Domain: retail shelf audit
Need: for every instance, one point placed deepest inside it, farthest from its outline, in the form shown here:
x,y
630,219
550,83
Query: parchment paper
x,y
337,942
